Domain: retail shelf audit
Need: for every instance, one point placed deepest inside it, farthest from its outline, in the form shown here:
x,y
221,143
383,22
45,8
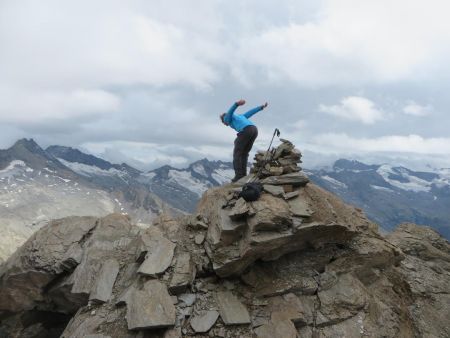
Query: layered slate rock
x,y
311,219
150,307
275,190
110,239
102,289
204,321
295,179
158,252
232,311
271,213
222,230
48,253
183,274
239,210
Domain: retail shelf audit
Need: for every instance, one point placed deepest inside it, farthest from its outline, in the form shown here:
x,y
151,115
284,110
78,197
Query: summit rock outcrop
x,y
296,263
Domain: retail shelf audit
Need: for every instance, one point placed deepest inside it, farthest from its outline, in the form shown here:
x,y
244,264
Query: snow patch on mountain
x,y
334,182
200,169
223,175
377,187
407,181
185,179
150,175
90,170
13,167
444,177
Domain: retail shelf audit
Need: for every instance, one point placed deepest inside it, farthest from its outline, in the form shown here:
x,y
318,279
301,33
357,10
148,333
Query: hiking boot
x,y
236,178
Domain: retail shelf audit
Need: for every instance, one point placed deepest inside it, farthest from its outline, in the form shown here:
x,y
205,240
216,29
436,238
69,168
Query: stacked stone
x,y
281,160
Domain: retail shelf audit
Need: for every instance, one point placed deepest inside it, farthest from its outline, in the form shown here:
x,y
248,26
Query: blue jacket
x,y
239,122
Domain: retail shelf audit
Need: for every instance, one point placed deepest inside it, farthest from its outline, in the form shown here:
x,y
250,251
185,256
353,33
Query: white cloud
x,y
27,106
355,42
58,57
415,109
415,144
147,156
98,43
354,108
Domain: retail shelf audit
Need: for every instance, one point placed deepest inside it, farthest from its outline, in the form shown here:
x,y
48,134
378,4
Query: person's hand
x,y
264,105
240,102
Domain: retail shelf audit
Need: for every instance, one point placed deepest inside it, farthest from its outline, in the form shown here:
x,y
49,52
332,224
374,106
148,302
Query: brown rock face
x,y
275,227
296,263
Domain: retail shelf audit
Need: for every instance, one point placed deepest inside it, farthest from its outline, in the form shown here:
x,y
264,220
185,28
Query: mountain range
x,y
390,195
38,185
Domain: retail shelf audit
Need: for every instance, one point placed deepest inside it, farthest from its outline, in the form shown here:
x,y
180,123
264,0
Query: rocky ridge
x,y
296,263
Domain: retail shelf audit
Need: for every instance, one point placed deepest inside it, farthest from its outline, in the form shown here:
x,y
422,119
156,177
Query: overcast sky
x,y
145,81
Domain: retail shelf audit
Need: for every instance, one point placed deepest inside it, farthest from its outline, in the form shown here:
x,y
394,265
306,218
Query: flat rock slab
x,y
204,322
292,194
102,288
296,179
159,253
150,307
232,311
183,274
199,239
300,207
271,213
278,329
275,190
290,307
276,171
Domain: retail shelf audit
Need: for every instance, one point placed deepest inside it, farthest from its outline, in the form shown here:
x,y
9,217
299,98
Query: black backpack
x,y
251,191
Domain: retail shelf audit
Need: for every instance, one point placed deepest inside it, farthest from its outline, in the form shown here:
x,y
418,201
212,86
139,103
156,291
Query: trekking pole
x,y
275,132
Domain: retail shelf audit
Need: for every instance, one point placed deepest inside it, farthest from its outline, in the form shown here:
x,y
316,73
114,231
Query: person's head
x,y
222,119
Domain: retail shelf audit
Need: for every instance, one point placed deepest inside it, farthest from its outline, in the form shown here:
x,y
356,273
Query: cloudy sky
x,y
145,81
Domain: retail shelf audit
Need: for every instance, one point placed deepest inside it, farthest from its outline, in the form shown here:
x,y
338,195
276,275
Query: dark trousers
x,y
242,146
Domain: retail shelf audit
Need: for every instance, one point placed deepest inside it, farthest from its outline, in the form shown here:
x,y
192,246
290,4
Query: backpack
x,y
251,191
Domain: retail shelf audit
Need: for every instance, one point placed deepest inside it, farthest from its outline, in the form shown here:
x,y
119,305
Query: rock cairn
x,y
281,160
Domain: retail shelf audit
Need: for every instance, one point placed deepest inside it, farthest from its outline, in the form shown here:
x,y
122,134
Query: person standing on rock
x,y
247,133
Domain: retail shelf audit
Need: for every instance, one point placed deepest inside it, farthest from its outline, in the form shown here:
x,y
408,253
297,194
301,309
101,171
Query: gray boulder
x,y
158,252
150,307
232,311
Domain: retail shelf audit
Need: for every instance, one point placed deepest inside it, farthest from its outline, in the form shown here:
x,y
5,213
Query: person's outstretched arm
x,y
253,111
230,112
